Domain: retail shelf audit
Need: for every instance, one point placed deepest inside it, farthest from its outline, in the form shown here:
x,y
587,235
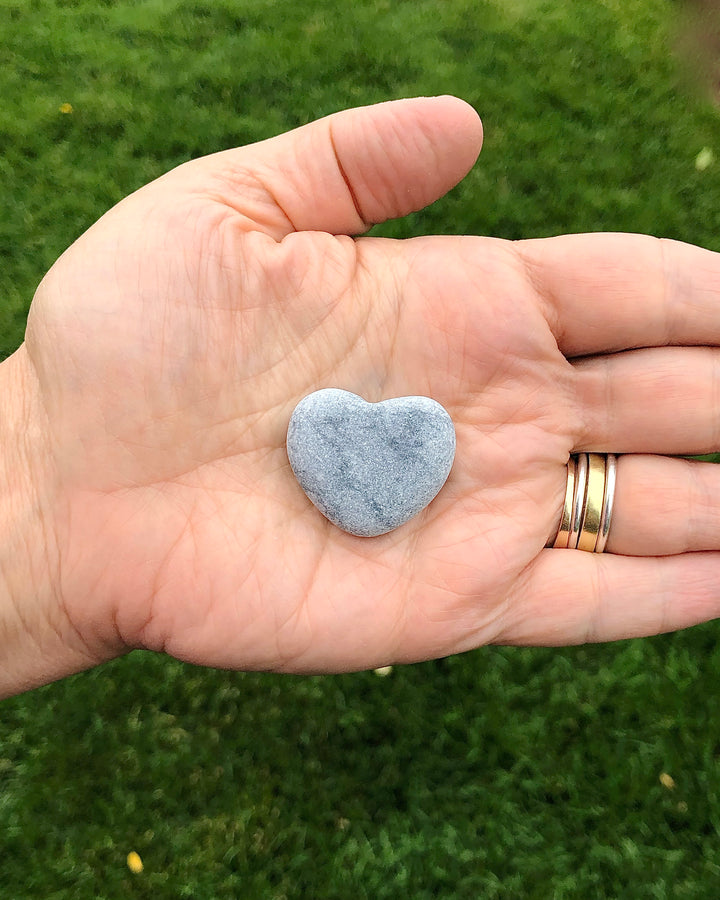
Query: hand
x,y
169,345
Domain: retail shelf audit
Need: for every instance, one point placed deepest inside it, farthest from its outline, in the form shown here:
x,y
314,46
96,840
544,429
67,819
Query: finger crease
x,y
549,305
365,224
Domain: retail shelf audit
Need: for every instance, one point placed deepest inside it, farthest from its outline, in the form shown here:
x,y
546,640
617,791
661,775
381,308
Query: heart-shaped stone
x,y
370,467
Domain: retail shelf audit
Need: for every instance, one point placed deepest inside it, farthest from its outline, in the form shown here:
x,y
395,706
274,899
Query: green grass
x,y
502,773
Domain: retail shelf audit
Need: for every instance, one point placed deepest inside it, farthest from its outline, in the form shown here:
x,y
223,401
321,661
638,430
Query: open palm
x,y
173,340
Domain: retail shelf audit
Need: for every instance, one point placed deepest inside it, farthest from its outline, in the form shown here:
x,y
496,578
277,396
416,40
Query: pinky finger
x,y
575,597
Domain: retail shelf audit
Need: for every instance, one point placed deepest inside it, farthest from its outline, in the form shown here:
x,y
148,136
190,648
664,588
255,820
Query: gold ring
x,y
592,511
563,535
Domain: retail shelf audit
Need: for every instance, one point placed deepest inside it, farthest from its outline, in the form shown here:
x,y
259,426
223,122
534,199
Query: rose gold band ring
x,y
587,510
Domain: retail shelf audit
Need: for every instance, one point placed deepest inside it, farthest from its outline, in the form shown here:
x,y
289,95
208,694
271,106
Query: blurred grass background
x,y
586,772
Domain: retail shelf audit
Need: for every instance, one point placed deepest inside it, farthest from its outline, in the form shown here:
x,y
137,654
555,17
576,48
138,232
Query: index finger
x,y
610,292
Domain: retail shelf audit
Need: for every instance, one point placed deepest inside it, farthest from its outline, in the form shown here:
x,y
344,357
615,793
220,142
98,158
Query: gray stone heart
x,y
370,467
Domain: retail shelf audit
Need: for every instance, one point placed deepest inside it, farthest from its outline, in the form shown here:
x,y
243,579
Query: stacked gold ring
x,y
588,506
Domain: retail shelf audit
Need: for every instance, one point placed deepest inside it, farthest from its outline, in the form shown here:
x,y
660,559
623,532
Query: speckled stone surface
x,y
370,467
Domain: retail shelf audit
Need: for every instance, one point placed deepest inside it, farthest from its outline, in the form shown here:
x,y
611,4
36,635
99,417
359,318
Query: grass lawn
x,y
504,773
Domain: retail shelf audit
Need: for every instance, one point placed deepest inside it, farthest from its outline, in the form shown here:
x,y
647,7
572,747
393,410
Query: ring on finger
x,y
588,505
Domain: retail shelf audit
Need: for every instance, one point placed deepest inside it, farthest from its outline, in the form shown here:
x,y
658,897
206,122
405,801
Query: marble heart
x,y
370,467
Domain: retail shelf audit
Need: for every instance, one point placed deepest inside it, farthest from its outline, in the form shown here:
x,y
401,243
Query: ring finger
x,y
665,506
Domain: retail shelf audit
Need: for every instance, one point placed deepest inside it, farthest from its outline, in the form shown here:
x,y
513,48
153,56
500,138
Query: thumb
x,y
350,170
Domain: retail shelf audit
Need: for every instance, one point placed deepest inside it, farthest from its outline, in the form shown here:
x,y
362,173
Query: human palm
x,y
173,340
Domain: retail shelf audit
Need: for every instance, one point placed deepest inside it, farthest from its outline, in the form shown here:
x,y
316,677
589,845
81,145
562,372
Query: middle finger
x,y
659,400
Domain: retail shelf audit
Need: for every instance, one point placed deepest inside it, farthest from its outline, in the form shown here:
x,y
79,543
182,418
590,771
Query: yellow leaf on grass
x,y
704,159
135,864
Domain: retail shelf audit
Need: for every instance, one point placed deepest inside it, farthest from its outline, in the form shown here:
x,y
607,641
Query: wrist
x,y
37,641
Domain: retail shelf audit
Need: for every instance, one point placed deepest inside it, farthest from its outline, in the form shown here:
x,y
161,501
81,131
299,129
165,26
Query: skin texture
x,y
167,348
